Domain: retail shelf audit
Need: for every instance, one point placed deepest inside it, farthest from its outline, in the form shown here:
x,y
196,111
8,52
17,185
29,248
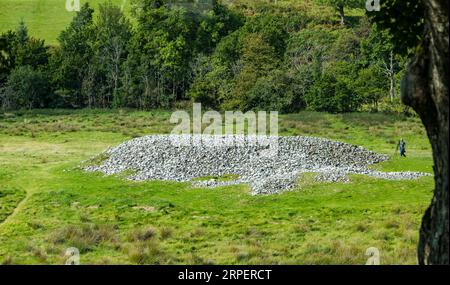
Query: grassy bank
x,y
47,204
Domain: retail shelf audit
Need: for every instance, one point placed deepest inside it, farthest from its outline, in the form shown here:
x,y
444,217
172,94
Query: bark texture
x,y
425,89
341,12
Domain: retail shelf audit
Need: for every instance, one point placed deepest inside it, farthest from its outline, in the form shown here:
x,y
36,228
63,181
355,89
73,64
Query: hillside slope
x,y
45,19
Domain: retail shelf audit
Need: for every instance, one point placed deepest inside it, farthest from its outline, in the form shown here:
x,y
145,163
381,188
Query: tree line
x,y
262,56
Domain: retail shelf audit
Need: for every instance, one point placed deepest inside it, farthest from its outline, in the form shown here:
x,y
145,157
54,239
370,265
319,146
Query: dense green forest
x,y
248,55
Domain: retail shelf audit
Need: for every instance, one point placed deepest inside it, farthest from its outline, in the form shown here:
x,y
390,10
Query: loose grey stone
x,y
269,164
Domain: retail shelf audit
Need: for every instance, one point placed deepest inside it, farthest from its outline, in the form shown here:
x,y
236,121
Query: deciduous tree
x,y
422,29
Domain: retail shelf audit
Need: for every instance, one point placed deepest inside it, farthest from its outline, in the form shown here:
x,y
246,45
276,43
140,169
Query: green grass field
x,y
48,205
45,19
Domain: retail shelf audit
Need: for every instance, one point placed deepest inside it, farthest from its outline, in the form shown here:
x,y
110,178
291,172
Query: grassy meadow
x,y
45,19
47,204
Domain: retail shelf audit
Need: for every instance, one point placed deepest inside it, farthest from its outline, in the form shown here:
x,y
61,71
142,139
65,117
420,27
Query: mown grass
x,y
116,221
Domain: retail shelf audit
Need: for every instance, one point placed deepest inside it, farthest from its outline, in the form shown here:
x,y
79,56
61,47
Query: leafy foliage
x,y
249,55
404,20
26,87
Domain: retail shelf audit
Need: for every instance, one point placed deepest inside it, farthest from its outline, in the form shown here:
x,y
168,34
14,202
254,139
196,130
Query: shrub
x,y
148,252
143,234
333,91
84,236
271,93
166,232
25,88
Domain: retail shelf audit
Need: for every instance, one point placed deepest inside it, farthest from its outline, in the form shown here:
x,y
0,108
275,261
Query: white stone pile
x,y
268,164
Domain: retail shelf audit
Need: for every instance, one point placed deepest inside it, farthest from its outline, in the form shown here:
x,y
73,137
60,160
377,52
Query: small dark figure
x,y
402,146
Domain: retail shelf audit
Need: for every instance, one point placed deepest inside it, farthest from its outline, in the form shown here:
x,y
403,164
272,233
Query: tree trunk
x,y
391,76
341,12
425,89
